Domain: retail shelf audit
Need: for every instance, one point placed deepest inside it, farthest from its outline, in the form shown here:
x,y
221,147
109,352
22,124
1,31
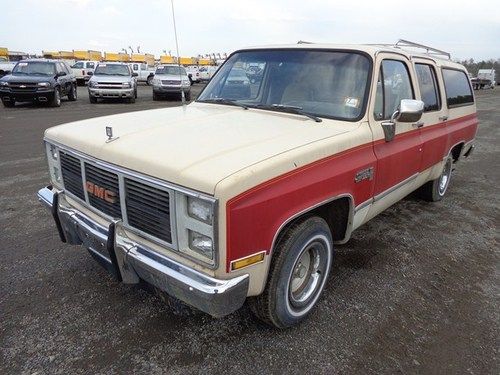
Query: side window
x,y
135,67
457,86
427,81
90,65
60,68
143,66
393,85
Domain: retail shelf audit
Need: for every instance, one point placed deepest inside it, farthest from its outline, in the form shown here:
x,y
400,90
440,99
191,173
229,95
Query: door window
x,y
427,82
90,65
135,66
393,85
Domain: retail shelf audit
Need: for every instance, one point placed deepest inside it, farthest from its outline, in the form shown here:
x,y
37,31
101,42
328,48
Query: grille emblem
x,y
22,86
100,192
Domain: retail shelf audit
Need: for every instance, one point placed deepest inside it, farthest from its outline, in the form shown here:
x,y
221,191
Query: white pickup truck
x,y
6,67
144,72
81,70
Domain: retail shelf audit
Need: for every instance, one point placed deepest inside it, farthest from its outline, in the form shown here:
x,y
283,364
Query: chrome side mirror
x,y
409,110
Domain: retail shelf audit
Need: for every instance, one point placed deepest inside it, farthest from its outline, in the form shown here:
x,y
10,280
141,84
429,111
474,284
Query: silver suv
x,y
171,79
113,80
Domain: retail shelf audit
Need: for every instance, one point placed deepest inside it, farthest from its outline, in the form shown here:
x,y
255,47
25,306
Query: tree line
x,y
474,66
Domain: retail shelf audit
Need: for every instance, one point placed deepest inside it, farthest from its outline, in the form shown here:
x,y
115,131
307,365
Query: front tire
x,y
72,95
92,99
56,99
299,269
435,190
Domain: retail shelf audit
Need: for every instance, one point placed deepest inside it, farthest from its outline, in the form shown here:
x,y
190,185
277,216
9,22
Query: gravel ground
x,y
416,290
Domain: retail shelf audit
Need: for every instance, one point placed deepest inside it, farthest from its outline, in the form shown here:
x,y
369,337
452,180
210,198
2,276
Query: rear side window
x,y
90,65
427,81
393,85
458,90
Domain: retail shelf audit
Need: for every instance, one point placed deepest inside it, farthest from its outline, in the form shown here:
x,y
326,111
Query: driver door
x,y
399,160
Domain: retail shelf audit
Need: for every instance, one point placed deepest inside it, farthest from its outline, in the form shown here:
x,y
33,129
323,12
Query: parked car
x,y
171,79
6,67
254,73
81,70
38,80
193,72
144,72
237,85
112,81
244,198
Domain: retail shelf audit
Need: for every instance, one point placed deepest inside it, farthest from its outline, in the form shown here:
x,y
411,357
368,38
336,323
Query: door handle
x,y
443,118
418,124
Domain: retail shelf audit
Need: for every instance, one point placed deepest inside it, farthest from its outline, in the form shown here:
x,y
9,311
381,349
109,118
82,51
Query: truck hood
x,y
195,146
27,78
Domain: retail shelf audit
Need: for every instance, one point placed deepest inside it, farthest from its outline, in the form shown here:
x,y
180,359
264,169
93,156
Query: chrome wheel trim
x,y
75,91
308,275
444,179
58,97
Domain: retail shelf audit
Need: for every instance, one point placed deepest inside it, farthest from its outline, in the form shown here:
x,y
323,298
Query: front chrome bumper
x,y
130,261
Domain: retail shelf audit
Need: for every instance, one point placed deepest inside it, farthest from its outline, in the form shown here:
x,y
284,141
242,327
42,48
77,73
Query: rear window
x,y
457,86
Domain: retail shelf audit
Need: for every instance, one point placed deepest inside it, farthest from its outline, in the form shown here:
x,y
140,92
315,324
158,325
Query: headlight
x,y
200,210
43,84
126,85
156,81
93,84
196,227
54,165
3,83
201,244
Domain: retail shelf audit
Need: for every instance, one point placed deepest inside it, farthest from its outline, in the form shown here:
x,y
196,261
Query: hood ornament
x,y
109,133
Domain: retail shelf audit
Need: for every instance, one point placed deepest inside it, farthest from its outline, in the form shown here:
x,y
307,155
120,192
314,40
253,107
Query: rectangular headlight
x,y
54,165
196,227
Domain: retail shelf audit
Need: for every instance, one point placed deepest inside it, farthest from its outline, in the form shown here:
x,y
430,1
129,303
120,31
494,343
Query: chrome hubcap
x,y
306,274
444,179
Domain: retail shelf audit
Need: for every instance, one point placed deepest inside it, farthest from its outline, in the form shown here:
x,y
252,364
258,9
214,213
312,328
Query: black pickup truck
x,y
38,80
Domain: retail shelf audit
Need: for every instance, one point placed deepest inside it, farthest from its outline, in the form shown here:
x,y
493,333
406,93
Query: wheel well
x,y
336,213
456,151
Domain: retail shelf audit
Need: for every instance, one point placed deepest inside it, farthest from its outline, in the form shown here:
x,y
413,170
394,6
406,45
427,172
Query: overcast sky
x,y
466,29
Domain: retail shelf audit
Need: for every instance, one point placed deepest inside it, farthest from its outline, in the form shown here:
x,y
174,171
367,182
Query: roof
x,y
372,50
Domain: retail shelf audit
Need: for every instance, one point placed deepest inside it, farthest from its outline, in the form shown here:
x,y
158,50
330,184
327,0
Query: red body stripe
x,y
254,217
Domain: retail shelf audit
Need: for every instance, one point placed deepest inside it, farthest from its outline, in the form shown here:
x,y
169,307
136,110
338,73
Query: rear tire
x,y
56,99
299,269
149,81
9,104
435,190
73,95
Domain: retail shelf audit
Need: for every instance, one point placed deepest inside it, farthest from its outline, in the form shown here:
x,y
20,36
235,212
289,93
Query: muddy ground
x,y
416,290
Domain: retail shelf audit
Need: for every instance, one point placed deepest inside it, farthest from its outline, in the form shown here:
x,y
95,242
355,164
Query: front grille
x,y
148,209
170,82
146,206
103,190
72,174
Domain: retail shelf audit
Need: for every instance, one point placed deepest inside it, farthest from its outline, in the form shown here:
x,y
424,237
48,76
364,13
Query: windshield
x,y
35,68
322,83
78,65
173,70
112,70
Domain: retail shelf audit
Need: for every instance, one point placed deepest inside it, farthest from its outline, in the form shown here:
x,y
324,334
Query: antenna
x,y
183,97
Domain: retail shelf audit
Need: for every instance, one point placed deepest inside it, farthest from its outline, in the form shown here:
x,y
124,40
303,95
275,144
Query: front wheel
x,y
435,190
56,99
299,269
92,99
188,96
72,95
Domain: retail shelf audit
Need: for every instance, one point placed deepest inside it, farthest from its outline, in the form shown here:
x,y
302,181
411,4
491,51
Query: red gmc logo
x,y
100,192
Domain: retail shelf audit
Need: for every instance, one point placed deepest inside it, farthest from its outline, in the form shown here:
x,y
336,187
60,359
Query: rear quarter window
x,y
457,87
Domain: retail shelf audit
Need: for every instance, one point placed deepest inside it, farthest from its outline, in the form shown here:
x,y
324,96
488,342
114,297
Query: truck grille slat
x,y
72,174
146,213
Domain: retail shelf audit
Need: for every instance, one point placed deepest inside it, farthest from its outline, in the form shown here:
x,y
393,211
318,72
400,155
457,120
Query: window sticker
x,y
351,102
23,64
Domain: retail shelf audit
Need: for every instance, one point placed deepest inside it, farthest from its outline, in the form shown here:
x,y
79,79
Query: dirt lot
x,y
415,291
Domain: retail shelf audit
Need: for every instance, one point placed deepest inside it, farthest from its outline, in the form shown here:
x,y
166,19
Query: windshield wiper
x,y
289,109
224,101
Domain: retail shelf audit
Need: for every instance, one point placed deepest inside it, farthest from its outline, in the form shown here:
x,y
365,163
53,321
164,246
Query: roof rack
x,y
429,50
